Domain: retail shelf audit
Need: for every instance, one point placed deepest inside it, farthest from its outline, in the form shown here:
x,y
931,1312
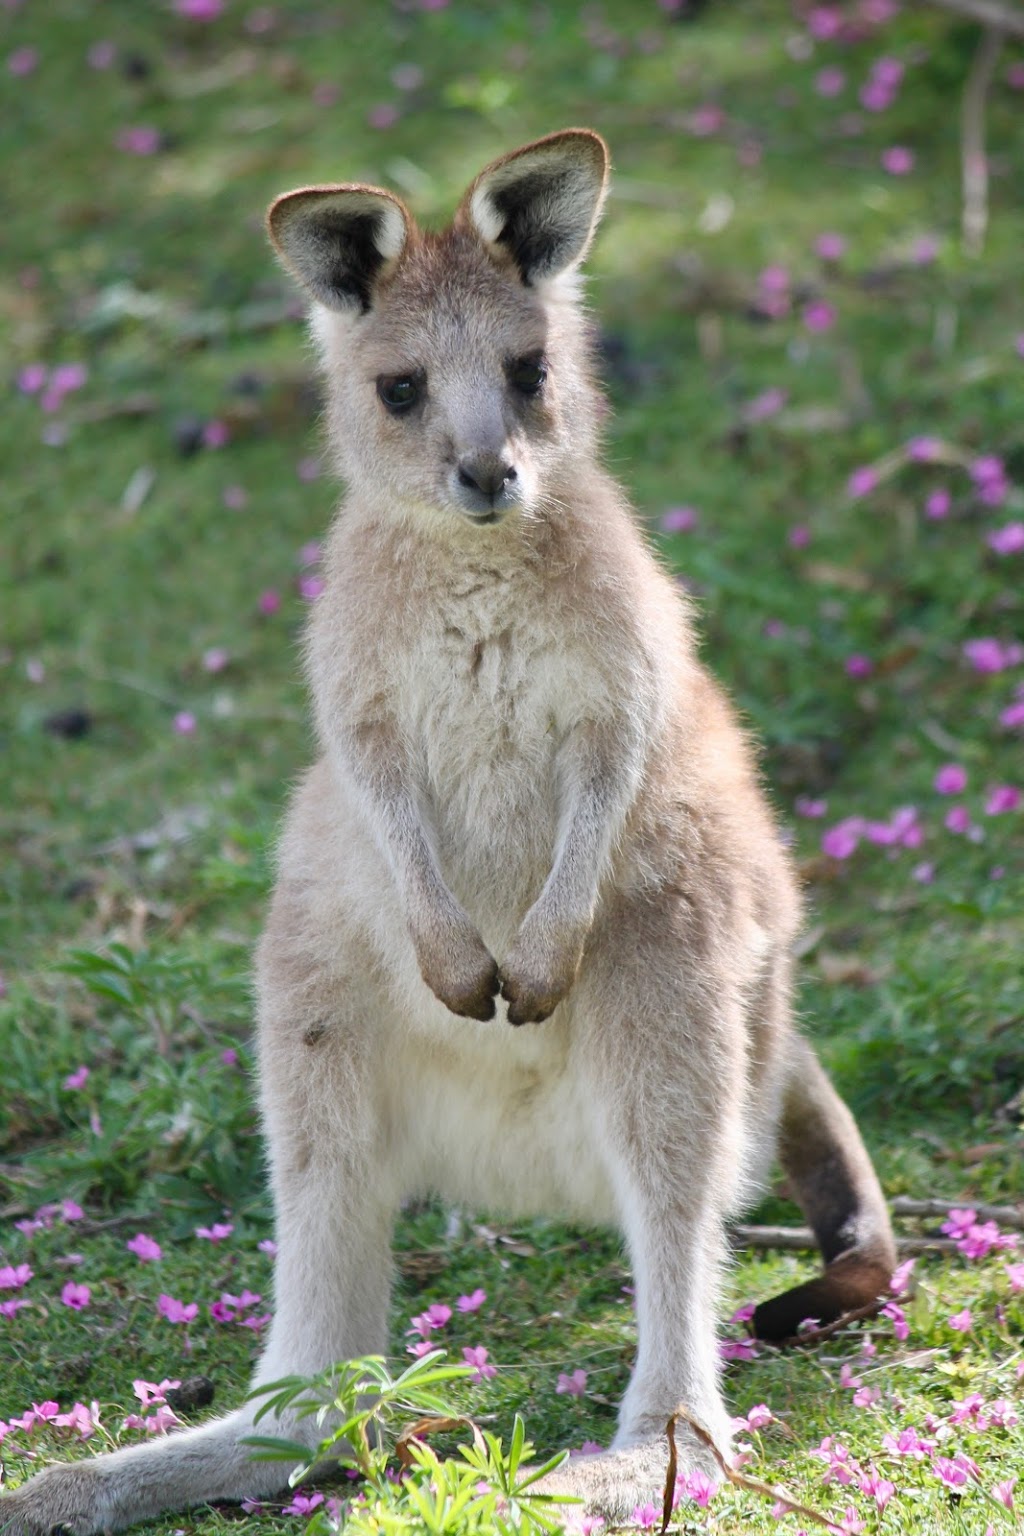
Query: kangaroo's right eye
x,y
398,394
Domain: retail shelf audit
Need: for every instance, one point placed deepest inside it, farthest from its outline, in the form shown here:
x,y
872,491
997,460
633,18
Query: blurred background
x,y
812,337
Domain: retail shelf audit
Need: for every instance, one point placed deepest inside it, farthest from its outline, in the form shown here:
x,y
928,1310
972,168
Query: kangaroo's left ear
x,y
540,204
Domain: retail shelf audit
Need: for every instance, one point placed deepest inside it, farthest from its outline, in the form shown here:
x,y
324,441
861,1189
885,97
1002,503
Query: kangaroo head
x,y
457,363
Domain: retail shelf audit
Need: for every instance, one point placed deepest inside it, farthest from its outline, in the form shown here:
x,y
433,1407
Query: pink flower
x,y
438,1315
1000,799
473,1302
898,160
216,659
824,22
819,316
199,10
1008,540
1013,715
645,1515
862,481
421,1347
842,840
151,1392
907,1443
308,468
235,497
679,520
383,115
101,55
145,1249
84,1421
22,61
76,1296
574,1385
216,434
938,504
697,1486
477,1356
268,1246
803,805
877,1488
990,655
310,587
830,247
303,1504
758,1418
184,723
140,140
176,1311
13,1277
1016,1276
830,82
958,819
961,1321
737,1349
77,1079
858,665
270,602
221,1312
950,779
217,1233
229,1056
899,1284
32,378
954,1473
1004,1493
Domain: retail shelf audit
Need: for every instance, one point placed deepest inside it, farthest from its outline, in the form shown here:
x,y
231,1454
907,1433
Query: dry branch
x,y
738,1479
1005,1215
802,1239
973,159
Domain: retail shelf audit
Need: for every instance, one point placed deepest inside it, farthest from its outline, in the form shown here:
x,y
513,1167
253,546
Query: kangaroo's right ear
x,y
339,242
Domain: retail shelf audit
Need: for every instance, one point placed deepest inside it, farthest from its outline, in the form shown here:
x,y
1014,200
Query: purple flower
x,y
142,139
14,1276
819,316
184,723
176,1311
473,1302
145,1249
938,504
830,247
950,779
862,481
1001,798
679,519
199,10
830,82
574,1385
476,1356
217,1233
76,1079
76,1296
858,665
898,160
270,602
1008,540
22,61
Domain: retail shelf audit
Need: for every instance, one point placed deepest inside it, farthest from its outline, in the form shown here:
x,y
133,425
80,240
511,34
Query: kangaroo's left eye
x,y
527,375
401,393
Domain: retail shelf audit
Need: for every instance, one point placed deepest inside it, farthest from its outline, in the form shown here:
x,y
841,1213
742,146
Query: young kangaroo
x,y
530,790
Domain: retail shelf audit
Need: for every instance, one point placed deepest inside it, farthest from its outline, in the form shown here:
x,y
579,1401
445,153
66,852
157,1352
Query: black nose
x,y
486,474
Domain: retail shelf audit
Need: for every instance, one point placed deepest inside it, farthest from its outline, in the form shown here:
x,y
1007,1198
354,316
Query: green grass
x,y
152,270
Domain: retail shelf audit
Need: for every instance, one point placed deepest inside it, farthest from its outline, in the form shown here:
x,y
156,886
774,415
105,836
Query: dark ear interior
x,y
339,241
541,204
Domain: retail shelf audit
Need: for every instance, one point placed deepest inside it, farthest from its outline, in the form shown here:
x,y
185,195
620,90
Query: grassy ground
x,y
158,503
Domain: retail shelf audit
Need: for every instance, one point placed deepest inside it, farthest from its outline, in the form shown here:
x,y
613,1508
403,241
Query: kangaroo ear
x,y
339,242
541,203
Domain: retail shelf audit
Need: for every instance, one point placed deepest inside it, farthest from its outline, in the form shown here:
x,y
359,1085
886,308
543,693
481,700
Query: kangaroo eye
x,y
527,375
400,393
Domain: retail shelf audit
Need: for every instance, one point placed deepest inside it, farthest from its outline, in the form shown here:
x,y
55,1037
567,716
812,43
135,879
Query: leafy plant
x,y
484,1487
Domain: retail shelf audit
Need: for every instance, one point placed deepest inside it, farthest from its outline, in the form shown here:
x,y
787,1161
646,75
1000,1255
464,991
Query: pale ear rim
x,y
482,205
336,239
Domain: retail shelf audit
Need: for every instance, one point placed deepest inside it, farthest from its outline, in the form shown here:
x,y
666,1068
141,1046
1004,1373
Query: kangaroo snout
x,y
486,484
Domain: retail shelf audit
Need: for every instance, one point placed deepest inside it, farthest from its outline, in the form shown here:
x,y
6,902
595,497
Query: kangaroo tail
x,y
822,1153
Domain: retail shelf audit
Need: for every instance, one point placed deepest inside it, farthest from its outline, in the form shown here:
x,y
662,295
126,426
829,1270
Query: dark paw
x,y
528,1004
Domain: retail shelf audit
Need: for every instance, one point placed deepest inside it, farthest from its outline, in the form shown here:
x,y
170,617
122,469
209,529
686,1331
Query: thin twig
x,y
802,1239
989,13
974,161
1006,1215
738,1479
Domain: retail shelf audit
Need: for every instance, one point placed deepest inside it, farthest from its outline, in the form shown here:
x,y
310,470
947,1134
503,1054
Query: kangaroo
x,y
533,807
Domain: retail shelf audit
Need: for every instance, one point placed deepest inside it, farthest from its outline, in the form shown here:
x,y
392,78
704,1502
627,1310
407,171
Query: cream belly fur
x,y
529,944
